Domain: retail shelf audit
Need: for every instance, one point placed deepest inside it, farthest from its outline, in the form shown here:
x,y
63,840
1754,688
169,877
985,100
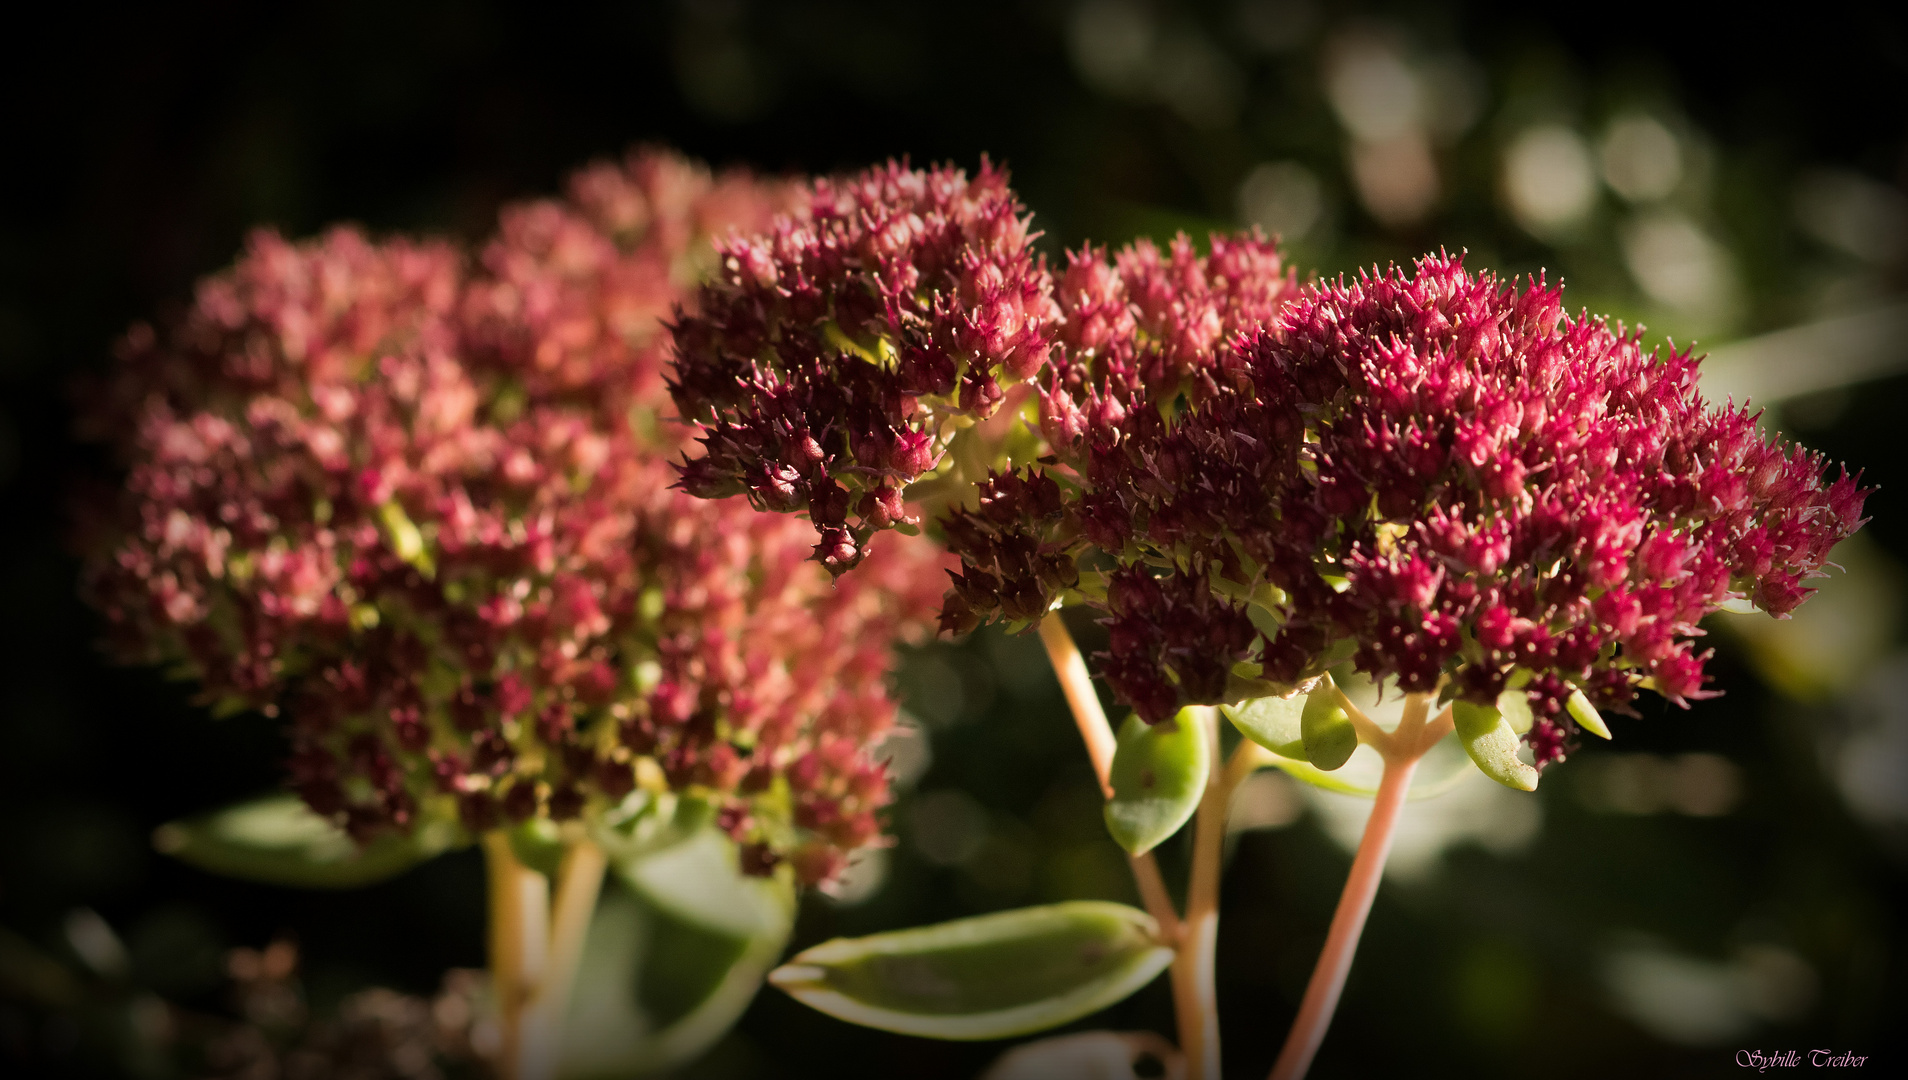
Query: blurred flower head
x,y
424,512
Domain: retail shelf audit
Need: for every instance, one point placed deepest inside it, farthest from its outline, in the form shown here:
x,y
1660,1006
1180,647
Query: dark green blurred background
x,y
1727,878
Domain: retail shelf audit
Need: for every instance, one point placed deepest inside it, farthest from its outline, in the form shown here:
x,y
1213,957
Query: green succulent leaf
x,y
698,882
1586,715
680,942
1158,774
989,977
1514,705
1443,768
1305,772
1272,722
1325,730
1492,743
280,841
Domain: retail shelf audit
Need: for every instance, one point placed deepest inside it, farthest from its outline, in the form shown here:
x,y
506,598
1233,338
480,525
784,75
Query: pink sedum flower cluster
x,y
1447,480
1444,481
1134,333
425,511
835,357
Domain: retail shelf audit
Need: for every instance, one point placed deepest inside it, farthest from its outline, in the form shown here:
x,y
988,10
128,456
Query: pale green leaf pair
x,y
1312,728
1491,739
280,841
641,826
1160,770
1312,736
680,943
989,977
1490,734
678,946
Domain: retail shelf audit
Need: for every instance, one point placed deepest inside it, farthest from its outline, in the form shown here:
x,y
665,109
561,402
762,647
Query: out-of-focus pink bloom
x,y
426,512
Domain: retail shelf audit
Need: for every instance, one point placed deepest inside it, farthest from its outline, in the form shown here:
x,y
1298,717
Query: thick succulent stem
x,y
1402,749
534,951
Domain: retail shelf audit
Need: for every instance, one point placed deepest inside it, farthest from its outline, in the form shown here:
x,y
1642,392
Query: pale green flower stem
x,y
1401,749
534,949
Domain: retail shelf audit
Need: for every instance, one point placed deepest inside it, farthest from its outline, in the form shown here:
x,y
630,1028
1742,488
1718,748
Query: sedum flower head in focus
x,y
836,357
1140,339
424,512
1443,481
1450,482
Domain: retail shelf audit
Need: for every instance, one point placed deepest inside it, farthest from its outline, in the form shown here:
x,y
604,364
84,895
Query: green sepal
x,y
1325,730
1338,652
989,977
1492,743
1158,774
680,942
1272,722
1586,715
280,841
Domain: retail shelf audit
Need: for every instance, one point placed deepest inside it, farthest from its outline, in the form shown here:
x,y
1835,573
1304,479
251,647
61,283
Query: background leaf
x,y
1444,767
698,883
279,841
1089,1055
1159,773
988,977
679,944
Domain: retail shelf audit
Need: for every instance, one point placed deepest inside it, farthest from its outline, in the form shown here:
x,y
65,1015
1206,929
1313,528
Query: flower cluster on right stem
x,y
1450,481
1441,479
